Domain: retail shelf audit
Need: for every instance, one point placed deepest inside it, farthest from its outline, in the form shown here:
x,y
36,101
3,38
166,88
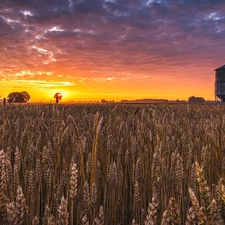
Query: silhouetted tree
x,y
196,100
103,101
57,97
18,97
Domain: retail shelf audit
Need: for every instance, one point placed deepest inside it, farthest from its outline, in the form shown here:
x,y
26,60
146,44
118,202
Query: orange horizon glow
x,y
110,89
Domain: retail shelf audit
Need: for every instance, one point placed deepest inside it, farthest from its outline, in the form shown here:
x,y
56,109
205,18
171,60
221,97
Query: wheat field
x,y
112,164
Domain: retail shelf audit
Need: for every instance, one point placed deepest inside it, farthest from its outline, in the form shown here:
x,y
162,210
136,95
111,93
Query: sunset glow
x,y
89,50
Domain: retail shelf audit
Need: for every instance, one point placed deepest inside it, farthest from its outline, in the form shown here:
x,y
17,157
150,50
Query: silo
x,y
220,83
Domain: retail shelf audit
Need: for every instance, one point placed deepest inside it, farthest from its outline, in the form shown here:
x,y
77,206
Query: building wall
x,y
220,84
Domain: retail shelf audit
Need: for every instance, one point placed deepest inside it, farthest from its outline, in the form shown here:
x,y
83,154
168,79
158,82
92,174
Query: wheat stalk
x,y
197,209
62,217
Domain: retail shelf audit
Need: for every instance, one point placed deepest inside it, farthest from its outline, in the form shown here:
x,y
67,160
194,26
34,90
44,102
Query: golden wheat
x,y
112,164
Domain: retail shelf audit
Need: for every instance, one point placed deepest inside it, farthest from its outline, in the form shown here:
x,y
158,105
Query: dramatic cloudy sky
x,y
112,49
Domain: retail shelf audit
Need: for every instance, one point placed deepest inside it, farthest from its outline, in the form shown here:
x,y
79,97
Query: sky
x,y
113,49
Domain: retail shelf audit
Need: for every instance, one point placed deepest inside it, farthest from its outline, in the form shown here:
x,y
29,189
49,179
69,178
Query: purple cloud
x,y
111,36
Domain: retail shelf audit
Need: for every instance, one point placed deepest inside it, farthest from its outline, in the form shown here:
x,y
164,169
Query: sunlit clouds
x,y
111,49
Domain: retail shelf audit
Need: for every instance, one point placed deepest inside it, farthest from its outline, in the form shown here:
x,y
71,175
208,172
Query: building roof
x,y
221,68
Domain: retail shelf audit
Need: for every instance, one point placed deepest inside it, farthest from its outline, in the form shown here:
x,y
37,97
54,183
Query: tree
x,y
103,101
57,97
18,97
196,100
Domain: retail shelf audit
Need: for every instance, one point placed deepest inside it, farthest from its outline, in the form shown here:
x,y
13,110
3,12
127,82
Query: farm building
x,y
220,83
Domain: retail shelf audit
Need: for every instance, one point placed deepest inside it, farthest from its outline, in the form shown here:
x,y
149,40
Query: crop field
x,y
112,164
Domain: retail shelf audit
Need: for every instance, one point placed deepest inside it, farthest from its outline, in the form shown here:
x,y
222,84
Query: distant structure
x,y
220,83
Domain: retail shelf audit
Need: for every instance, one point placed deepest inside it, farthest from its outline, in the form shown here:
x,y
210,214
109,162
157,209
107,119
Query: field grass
x,y
112,164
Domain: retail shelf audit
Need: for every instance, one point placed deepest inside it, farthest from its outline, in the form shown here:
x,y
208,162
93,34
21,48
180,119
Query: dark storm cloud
x,y
111,35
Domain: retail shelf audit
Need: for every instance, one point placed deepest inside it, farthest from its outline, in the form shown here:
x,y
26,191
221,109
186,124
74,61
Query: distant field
x,y
112,164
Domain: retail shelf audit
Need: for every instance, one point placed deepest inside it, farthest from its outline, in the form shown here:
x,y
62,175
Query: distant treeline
x,y
146,100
